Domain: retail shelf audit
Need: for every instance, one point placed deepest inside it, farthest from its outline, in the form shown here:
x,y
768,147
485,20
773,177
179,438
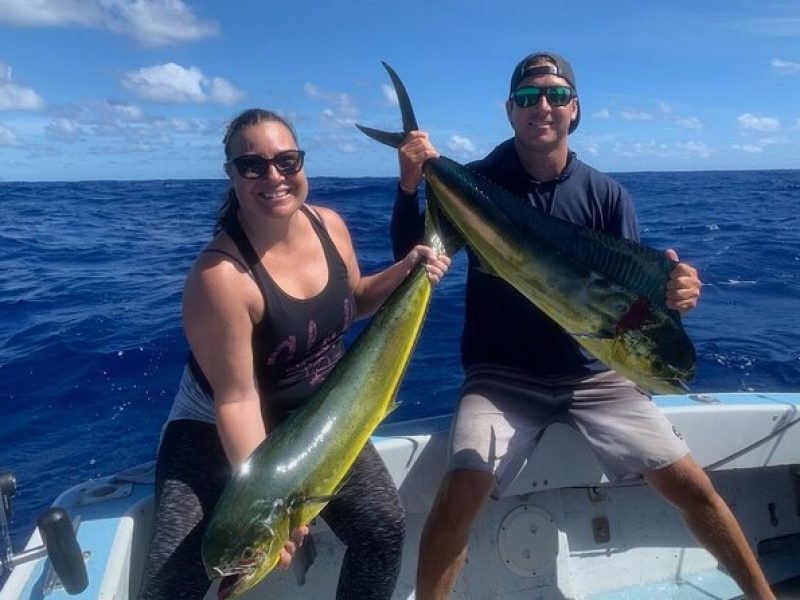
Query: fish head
x,y
660,355
243,548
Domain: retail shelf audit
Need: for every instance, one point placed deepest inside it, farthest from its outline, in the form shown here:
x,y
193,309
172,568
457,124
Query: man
x,y
524,372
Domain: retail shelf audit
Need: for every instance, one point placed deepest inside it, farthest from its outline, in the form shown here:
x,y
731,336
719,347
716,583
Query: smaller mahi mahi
x,y
608,293
290,477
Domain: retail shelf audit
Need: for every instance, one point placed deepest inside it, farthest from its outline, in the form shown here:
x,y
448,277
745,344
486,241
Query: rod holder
x,y
60,542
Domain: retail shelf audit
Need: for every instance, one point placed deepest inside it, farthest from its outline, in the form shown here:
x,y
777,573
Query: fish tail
x,y
409,120
439,233
384,137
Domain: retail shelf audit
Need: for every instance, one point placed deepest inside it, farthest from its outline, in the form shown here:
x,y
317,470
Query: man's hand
x,y
683,288
413,153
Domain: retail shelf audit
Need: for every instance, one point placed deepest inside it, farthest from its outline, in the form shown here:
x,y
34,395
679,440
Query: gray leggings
x,y
366,515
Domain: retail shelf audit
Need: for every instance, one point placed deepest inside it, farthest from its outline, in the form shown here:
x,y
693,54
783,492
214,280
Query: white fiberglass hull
x,y
560,531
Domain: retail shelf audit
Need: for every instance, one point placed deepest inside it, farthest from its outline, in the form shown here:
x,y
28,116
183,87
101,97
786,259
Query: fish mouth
x,y
228,585
231,578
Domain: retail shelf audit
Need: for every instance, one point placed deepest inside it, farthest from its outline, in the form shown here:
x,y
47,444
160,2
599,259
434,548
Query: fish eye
x,y
248,553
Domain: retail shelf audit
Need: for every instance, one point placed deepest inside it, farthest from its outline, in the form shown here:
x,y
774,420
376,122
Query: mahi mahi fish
x,y
608,293
289,477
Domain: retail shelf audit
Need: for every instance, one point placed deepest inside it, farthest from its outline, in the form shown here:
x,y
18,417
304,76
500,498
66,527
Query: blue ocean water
x,y
91,273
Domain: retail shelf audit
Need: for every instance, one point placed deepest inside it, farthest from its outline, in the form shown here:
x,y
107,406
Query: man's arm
x,y
408,223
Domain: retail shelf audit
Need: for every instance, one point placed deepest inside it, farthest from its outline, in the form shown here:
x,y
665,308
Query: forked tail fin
x,y
409,120
439,233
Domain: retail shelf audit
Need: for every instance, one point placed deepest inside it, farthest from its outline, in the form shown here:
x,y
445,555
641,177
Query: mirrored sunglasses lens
x,y
527,96
559,96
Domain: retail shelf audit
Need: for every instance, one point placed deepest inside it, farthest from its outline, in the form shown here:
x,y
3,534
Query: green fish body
x,y
290,477
608,293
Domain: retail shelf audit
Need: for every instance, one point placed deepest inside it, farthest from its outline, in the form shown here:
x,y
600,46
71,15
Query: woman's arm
x,y
407,223
219,303
372,291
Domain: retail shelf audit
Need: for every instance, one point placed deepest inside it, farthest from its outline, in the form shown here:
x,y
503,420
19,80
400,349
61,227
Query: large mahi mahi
x,y
608,293
290,477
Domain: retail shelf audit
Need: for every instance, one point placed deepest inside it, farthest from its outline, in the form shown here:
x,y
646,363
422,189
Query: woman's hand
x,y
291,546
436,265
683,288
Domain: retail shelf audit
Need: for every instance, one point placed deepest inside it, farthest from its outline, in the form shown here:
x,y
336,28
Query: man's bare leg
x,y
443,547
686,485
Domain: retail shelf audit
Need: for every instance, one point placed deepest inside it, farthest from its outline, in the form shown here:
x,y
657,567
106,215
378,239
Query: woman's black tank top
x,y
299,341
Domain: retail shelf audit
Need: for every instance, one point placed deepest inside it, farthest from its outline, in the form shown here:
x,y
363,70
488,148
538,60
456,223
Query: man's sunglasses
x,y
254,166
557,95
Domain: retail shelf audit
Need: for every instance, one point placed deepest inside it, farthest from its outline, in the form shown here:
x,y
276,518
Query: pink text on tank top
x,y
321,358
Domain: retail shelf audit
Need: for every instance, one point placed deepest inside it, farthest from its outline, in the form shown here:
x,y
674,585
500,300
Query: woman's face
x,y
274,194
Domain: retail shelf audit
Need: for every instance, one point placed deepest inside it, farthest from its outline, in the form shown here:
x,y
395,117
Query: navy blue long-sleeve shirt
x,y
501,326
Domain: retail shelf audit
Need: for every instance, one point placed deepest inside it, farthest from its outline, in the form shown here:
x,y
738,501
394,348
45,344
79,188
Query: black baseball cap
x,y
557,65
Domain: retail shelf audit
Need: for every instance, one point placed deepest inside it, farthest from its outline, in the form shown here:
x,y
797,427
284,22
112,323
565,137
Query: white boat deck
x,y
560,531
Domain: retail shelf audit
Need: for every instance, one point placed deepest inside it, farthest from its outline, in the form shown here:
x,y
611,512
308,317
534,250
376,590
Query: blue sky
x,y
143,89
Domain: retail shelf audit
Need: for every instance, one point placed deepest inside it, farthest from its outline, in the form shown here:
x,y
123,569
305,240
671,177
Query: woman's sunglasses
x,y
255,166
557,95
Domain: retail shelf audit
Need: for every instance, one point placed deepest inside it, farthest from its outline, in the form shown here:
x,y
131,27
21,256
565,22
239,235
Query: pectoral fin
x,y
299,503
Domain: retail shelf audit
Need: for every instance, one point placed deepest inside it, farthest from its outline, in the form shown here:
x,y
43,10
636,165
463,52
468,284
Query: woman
x,y
265,307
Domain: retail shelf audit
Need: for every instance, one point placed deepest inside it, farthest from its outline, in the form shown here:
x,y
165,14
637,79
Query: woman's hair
x,y
248,118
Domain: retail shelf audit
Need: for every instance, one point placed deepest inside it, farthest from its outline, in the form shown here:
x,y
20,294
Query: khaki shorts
x,y
502,414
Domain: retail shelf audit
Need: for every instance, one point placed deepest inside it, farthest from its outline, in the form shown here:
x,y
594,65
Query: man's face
x,y
542,126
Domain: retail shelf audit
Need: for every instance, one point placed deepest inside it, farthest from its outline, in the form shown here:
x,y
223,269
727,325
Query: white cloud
x,y
774,140
65,130
190,126
341,113
689,122
785,67
14,96
224,92
664,108
603,113
340,99
158,22
636,115
389,94
28,13
7,136
591,148
461,144
695,149
173,84
128,112
753,122
691,150
749,148
151,22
